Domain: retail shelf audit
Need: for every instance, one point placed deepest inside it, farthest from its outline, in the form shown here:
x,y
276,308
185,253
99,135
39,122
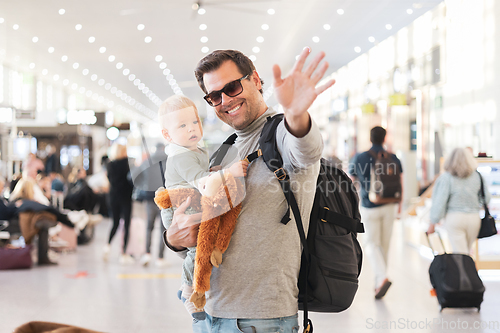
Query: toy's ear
x,y
165,134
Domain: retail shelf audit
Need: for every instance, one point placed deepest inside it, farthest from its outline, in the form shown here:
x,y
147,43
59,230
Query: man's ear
x,y
167,137
256,80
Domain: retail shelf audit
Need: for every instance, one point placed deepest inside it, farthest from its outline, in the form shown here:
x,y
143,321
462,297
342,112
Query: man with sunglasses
x,y
255,287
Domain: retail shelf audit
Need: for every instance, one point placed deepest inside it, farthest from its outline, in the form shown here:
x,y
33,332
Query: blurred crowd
x,y
42,210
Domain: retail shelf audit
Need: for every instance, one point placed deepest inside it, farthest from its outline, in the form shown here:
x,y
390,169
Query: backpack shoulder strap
x,y
274,162
273,159
218,156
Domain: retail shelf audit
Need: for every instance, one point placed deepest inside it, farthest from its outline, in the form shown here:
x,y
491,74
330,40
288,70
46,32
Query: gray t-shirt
x,y
259,271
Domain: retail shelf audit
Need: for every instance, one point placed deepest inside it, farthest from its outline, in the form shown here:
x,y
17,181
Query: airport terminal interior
x,y
81,80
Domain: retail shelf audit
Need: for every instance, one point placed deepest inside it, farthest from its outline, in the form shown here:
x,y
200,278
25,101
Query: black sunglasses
x,y
232,89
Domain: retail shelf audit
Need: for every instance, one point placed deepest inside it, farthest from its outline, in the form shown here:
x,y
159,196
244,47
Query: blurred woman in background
x,y
457,198
120,192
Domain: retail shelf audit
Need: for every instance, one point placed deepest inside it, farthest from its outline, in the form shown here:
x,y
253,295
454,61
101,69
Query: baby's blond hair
x,y
171,104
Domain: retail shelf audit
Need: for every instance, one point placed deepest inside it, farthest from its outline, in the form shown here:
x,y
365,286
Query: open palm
x,y
298,90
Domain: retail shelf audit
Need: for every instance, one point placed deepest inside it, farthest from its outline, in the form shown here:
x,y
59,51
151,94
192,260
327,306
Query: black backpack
x,y
332,256
385,179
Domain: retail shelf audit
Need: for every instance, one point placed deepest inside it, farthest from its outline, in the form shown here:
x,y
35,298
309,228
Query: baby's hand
x,y
239,169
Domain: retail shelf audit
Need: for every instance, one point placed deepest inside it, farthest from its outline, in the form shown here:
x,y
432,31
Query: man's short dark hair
x,y
377,135
215,59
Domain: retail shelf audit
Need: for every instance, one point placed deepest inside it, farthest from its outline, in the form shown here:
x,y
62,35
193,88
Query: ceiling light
x,y
271,11
119,93
204,39
315,39
148,39
201,11
74,86
140,27
203,27
107,86
61,11
102,49
45,72
141,86
256,49
85,71
101,82
65,82
55,77
252,57
131,77
326,27
32,65
95,96
158,58
119,65
388,26
340,11
64,58
113,90
409,11
35,39
144,90
169,76
204,49
88,93
76,65
81,90
126,71
166,71
136,82
111,58
78,27
2,20
357,49
371,39
51,49
93,77
15,26
91,39
163,65
264,26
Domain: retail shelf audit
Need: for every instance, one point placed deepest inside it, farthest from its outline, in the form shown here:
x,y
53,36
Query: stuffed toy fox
x,y
219,214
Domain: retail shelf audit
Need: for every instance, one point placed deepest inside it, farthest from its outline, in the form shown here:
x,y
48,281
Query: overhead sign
x,y
25,114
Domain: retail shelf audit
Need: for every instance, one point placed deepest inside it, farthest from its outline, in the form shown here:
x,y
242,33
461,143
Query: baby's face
x,y
184,128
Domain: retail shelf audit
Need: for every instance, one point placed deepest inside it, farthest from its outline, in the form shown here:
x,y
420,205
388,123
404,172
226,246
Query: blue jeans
x,y
223,325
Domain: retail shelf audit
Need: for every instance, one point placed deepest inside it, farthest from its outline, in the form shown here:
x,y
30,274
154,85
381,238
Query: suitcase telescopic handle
x,y
430,244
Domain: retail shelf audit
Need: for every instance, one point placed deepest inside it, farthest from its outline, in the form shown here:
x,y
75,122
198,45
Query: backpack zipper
x,y
332,273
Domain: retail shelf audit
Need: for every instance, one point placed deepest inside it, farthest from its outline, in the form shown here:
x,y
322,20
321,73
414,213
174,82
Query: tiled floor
x,y
128,299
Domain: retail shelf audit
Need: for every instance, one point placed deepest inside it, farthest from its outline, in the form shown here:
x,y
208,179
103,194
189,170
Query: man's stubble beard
x,y
251,114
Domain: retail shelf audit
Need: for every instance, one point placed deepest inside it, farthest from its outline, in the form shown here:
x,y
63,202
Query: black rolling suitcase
x,y
455,280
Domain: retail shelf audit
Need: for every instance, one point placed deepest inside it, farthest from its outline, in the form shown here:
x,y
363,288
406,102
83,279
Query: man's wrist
x,y
300,125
